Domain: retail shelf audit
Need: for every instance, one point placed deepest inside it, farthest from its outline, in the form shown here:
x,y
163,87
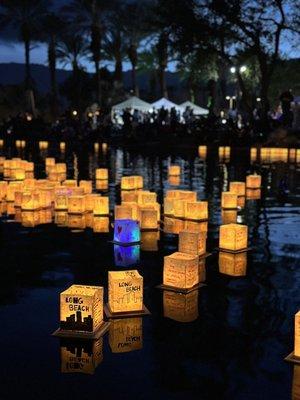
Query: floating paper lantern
x,y
253,154
10,209
192,243
45,216
101,184
180,307
76,204
202,152
100,224
179,208
104,148
89,220
43,145
129,197
90,201
125,291
233,237
241,201
239,188
101,205
30,201
11,189
96,147
61,168
233,264
61,218
76,191
18,198
49,162
101,174
181,270
229,216
202,270
173,225
229,200
224,153
29,183
127,183
30,219
81,308
127,231
174,170
61,201
149,240
193,226
253,181
149,219
87,186
18,143
297,335
126,256
253,194
62,146
146,197
45,197
80,356
70,183
124,211
139,181
168,206
125,335
187,195
3,189
197,210
174,180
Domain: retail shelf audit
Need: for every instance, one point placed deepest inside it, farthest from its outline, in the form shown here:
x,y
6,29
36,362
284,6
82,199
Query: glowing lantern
x,y
174,170
181,270
297,335
101,184
101,174
139,181
1,142
49,162
18,198
125,291
239,188
192,243
168,206
197,210
76,204
180,307
126,256
173,225
193,226
253,154
229,216
61,218
187,195
149,240
241,201
202,152
76,191
81,308
30,219
80,356
11,189
104,147
233,264
3,189
253,181
125,334
101,205
43,145
135,210
129,197
30,201
101,224
146,198
224,153
179,208
233,237
29,183
70,183
229,200
62,146
90,201
174,180
23,144
96,147
149,219
10,209
124,211
18,143
253,194
45,197
87,186
45,216
89,220
127,231
61,168
61,201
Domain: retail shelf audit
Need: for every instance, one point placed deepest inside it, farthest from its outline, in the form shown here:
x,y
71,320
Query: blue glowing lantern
x,y
126,256
127,232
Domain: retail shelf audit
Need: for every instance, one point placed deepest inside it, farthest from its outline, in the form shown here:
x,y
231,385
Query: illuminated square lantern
x,y
11,189
45,197
70,183
149,219
18,198
297,335
76,204
126,334
126,256
49,162
202,152
146,198
192,242
233,264
195,226
128,183
61,218
101,174
125,291
229,216
139,181
174,170
89,220
169,206
187,195
224,153
149,240
174,180
76,221
253,181
76,191
29,183
101,224
62,146
3,189
135,209
101,184
30,219
101,205
80,356
129,197
10,209
179,208
126,231
173,194
253,154
29,167
45,216
173,225
96,147
19,174
181,270
241,201
124,211
180,307
197,210
239,188
253,194
90,201
81,308
229,200
30,201
233,237
61,201
87,186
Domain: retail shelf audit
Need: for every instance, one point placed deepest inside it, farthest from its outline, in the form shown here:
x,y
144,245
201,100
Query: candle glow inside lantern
x,y
174,170
239,188
49,162
126,256
30,219
76,221
229,200
149,219
180,307
197,210
19,174
87,186
80,356
131,182
125,291
127,231
253,181
61,200
233,264
81,308
101,174
181,270
101,205
126,334
253,154
76,204
192,242
233,237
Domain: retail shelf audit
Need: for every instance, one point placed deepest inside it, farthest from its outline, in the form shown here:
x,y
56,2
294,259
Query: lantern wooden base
x,y
181,290
292,358
126,314
103,328
233,251
124,244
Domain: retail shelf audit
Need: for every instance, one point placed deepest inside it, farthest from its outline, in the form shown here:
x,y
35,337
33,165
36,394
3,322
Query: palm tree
x,y
162,55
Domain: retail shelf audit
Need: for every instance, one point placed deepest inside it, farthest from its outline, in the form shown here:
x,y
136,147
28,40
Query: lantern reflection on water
x,y
229,216
202,270
181,270
192,242
62,146
233,237
79,355
126,256
76,221
232,264
296,383
81,308
126,231
126,334
125,291
253,194
101,184
30,219
174,180
148,219
100,224
149,240
61,218
224,153
180,307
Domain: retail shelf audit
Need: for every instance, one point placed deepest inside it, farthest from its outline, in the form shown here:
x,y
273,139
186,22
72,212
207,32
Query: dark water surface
x,y
234,349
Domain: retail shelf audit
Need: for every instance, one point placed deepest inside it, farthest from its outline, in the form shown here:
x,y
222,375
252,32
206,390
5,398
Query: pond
x,y
227,340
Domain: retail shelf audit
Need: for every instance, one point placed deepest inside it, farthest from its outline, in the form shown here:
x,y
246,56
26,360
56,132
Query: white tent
x,y
133,103
196,109
167,104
